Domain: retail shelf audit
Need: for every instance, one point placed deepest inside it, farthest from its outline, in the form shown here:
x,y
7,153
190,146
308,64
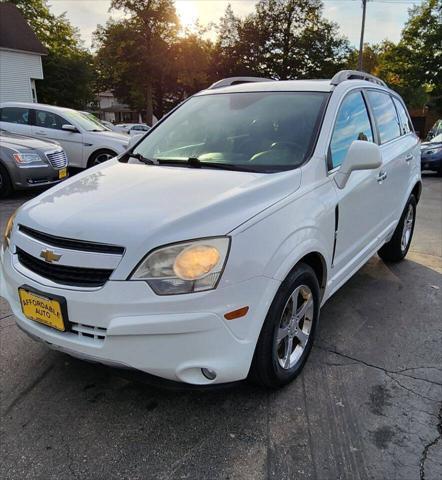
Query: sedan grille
x,y
65,275
57,159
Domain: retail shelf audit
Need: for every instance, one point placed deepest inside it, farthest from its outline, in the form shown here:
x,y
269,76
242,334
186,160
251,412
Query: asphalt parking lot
x,y
368,405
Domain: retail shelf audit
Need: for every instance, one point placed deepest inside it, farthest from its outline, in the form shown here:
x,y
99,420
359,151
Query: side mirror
x,y
69,128
134,139
361,155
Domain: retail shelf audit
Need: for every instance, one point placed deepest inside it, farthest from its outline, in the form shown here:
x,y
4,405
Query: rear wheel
x,y
287,334
5,182
396,249
99,157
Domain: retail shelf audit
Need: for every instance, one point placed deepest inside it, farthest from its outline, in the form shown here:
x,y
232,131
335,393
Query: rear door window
x,y
385,115
352,123
15,115
404,119
46,119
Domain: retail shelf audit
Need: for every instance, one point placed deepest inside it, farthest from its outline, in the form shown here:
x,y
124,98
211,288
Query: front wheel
x,y
287,334
396,249
99,157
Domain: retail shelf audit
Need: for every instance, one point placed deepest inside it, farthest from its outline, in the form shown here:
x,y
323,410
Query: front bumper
x,y
125,324
31,177
432,162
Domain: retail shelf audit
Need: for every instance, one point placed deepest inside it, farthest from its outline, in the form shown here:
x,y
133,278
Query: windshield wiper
x,y
194,162
142,159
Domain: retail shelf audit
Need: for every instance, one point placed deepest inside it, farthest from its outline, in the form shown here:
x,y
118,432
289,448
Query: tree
x,y
68,67
144,61
137,50
413,67
283,39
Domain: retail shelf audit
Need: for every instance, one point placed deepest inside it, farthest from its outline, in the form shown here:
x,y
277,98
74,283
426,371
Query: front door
x,y
359,205
49,125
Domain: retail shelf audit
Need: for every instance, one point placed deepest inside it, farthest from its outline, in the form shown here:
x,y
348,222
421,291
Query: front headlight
x,y
8,231
193,266
22,159
432,150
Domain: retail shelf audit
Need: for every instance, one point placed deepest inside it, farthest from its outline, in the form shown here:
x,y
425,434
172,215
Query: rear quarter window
x,y
404,119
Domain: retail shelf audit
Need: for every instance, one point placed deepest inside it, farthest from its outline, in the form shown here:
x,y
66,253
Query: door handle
x,y
39,132
409,157
382,176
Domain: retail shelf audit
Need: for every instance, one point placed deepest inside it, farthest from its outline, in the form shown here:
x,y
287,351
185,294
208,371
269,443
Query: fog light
x,y
209,374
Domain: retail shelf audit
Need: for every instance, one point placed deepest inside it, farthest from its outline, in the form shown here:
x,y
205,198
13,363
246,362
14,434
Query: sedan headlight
x,y
431,150
8,231
186,267
23,159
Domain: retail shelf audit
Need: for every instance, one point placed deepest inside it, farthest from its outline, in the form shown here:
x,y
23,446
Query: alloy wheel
x,y
102,157
408,228
294,327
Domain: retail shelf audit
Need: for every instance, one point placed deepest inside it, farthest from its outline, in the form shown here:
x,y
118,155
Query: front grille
x,y
64,275
57,159
71,244
97,333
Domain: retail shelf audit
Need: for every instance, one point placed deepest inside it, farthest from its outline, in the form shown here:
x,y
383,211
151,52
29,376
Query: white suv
x,y
86,142
204,254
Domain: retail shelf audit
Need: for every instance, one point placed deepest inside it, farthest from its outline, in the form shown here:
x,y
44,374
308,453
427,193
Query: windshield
x,y
262,131
85,122
436,139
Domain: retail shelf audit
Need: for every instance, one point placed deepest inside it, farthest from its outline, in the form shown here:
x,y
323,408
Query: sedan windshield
x,y
85,122
259,131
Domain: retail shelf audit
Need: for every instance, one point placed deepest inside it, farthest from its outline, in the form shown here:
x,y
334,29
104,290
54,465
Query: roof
x,y
15,32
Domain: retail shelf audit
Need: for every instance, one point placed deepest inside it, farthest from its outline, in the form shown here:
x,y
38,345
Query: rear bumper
x,y
170,337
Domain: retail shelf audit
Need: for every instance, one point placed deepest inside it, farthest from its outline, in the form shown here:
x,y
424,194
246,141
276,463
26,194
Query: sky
x,y
385,18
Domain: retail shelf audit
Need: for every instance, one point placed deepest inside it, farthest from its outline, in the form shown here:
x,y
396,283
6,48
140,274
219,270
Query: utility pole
x,y
361,44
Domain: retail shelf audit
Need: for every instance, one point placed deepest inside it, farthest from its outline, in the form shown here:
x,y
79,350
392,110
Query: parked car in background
x,y
27,162
431,151
239,215
435,130
85,142
132,128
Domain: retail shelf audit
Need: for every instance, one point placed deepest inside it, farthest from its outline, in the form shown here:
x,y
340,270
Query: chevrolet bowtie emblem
x,y
49,256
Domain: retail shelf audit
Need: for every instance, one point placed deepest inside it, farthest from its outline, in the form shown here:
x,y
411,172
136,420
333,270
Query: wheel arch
x,y
417,190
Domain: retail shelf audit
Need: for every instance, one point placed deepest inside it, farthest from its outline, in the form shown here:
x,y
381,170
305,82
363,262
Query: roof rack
x,y
227,82
355,75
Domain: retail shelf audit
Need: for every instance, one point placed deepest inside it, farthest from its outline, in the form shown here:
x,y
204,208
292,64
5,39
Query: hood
x,y
22,142
122,138
141,206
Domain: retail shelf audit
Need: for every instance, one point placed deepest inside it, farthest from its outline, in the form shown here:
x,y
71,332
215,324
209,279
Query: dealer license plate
x,y
42,309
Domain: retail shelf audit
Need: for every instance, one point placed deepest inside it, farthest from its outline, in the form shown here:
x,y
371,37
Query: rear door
x,y
15,120
359,208
396,157
49,125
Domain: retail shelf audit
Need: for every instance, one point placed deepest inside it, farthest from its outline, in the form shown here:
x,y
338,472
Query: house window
x,y
34,91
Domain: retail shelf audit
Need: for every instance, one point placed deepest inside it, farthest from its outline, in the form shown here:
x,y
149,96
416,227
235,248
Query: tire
x,y
397,248
271,366
5,182
100,156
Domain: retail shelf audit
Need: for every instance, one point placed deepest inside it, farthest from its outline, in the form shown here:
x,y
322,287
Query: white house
x,y
20,57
